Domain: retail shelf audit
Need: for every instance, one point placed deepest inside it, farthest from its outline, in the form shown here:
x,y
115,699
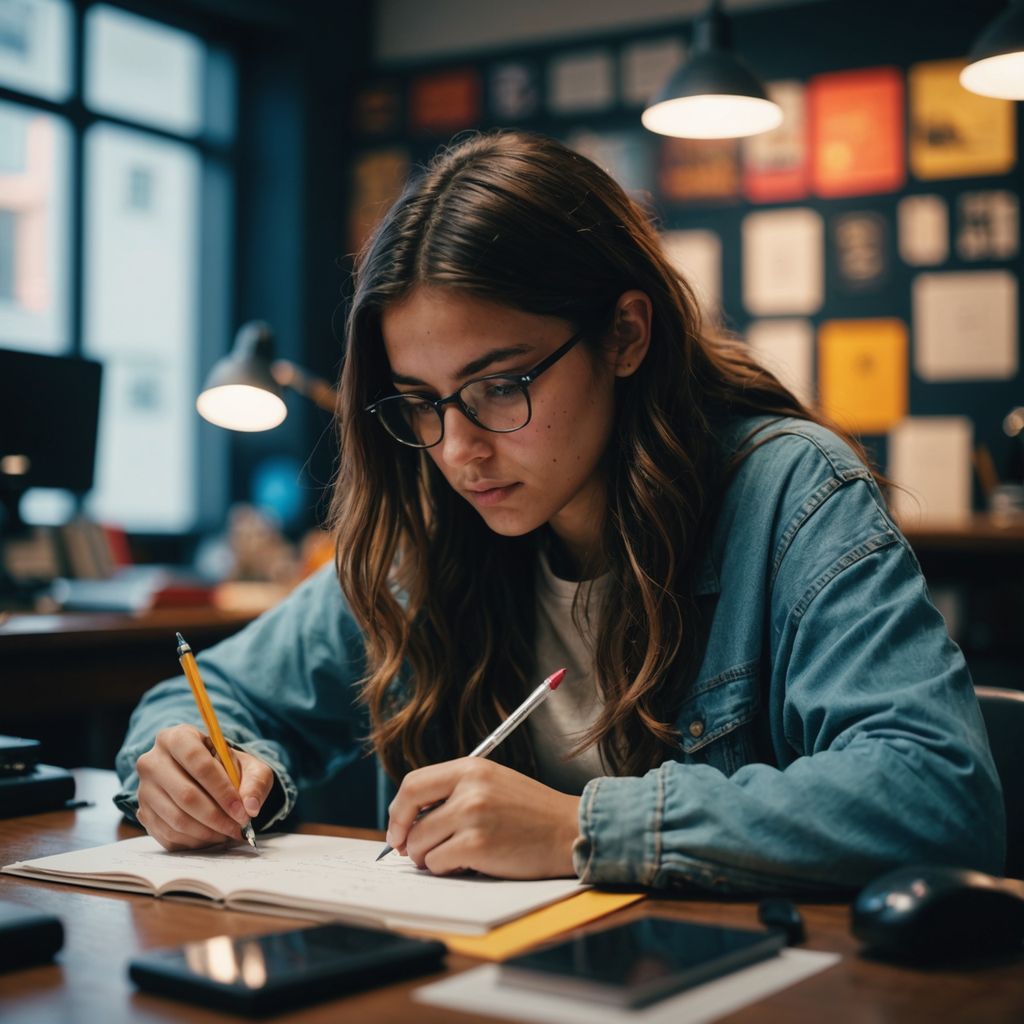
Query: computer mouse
x,y
931,913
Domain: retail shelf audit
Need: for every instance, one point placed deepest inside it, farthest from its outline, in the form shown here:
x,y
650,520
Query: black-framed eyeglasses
x,y
499,402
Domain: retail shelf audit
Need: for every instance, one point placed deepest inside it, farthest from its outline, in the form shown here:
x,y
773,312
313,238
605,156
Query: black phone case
x,y
18,755
27,936
158,972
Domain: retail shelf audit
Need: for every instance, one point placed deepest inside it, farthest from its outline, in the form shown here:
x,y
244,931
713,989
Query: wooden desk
x,y
978,534
103,930
72,680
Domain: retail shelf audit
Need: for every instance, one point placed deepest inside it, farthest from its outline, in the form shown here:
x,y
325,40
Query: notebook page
x,y
316,873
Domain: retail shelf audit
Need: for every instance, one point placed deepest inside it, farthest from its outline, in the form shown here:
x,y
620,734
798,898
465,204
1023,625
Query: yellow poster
x,y
955,133
862,373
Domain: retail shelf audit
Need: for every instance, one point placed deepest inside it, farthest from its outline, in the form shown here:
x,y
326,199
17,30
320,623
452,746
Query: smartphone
x,y
264,974
637,963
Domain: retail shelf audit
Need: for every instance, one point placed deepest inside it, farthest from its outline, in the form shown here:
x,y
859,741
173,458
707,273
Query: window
x,y
115,208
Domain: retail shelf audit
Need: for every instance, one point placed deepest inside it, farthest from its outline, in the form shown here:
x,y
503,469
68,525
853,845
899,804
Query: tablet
x,y
637,963
263,974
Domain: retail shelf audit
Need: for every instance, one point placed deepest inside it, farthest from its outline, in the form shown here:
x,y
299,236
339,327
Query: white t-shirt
x,y
559,723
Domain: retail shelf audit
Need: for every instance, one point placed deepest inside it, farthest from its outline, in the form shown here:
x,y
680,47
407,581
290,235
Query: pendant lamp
x,y
714,95
996,65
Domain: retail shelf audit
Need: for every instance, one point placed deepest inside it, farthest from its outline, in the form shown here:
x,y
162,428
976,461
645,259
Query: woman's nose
x,y
463,440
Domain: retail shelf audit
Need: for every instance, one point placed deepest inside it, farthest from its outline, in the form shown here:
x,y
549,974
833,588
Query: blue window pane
x,y
142,320
143,71
35,47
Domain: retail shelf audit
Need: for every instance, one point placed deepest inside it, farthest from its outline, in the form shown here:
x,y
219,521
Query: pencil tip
x,y
555,678
383,853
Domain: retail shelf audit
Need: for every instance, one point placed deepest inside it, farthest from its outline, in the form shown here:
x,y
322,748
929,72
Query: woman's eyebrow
x,y
471,368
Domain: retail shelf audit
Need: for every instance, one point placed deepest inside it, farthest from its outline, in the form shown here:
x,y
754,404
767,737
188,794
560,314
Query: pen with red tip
x,y
516,719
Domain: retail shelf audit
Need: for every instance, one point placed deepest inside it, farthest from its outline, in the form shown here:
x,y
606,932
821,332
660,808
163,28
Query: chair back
x,y
1003,711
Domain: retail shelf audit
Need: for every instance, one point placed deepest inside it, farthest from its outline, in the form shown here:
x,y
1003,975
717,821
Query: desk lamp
x,y
714,95
244,390
996,65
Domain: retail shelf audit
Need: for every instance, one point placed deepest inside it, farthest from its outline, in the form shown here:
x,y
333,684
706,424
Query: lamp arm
x,y
316,389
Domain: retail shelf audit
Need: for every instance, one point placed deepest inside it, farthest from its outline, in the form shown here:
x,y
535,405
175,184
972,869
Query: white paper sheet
x,y
786,347
479,991
697,255
783,262
965,325
930,456
923,230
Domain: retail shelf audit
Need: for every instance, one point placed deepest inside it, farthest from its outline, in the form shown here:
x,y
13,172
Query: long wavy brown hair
x,y
447,607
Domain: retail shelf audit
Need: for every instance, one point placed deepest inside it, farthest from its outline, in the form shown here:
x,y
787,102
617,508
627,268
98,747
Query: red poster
x,y
857,133
445,102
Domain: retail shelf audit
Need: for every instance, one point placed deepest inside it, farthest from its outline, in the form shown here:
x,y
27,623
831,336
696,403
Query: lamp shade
x,y
240,392
996,65
714,95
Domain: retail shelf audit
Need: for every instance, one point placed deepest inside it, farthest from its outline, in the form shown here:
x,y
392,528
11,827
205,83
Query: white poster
x,y
988,225
783,262
697,256
930,460
786,347
581,81
965,325
923,230
647,66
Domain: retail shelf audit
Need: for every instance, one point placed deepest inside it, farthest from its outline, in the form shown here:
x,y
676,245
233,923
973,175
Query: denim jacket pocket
x,y
715,722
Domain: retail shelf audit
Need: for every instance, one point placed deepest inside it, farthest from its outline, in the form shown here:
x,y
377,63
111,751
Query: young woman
x,y
546,461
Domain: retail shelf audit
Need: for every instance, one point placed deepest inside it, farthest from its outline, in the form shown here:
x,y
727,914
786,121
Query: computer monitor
x,y
49,414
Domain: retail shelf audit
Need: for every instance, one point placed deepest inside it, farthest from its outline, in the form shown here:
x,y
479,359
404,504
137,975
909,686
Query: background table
x,y
89,982
71,680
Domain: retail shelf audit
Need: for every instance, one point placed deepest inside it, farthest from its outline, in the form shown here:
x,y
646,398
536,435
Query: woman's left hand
x,y
493,820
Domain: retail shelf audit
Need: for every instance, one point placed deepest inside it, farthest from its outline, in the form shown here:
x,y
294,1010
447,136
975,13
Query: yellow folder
x,y
509,939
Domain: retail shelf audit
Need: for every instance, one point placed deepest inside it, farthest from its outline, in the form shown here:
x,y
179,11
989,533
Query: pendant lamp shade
x,y
714,95
996,65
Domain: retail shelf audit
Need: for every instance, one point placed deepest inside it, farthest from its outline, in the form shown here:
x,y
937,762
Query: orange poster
x,y
857,133
862,373
444,102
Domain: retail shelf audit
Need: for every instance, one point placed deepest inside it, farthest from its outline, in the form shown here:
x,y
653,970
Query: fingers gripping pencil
x,y
188,663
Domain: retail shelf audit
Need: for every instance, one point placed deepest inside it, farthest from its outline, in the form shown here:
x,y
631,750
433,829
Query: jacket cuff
x,y
283,788
620,823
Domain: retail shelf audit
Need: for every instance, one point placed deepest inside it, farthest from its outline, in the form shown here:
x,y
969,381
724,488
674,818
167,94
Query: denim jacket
x,y
832,731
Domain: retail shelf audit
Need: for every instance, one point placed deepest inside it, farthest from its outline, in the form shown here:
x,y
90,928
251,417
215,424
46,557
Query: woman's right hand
x,y
186,799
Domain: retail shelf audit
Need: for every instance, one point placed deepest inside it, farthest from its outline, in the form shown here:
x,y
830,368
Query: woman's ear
x,y
630,334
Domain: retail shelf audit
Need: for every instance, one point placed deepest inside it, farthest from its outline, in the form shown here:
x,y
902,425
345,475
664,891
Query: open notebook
x,y
321,877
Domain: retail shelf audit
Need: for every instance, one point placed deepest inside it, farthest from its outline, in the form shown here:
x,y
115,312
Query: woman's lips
x,y
491,495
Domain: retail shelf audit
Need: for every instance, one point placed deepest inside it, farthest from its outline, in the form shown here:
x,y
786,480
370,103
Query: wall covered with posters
x,y
869,249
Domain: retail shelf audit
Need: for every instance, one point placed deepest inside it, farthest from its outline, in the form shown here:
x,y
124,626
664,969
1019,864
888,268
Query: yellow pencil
x,y
195,680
